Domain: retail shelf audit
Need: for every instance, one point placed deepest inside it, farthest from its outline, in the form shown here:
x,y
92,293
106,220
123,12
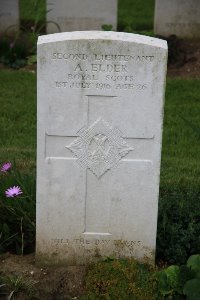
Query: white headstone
x,y
75,15
9,15
177,17
100,114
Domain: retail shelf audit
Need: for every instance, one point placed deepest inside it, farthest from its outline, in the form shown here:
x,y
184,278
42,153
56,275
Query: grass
x,y
31,10
120,279
18,118
135,15
180,159
17,286
129,280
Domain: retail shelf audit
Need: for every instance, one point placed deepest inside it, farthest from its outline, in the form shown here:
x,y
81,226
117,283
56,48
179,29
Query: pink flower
x,y
6,167
13,192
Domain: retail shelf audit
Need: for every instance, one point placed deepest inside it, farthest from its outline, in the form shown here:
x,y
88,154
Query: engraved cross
x,y
98,148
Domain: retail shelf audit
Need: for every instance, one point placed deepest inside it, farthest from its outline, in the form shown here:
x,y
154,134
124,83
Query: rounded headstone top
x,y
102,35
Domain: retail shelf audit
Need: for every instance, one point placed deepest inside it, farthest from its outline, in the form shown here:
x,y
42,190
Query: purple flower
x,y
6,167
13,191
11,45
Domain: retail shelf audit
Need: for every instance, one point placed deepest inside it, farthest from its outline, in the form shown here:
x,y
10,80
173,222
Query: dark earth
x,y
68,282
48,283
183,58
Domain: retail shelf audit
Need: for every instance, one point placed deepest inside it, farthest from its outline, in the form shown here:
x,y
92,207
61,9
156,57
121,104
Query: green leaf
x,y
6,230
197,275
163,286
107,27
173,273
192,289
185,274
194,262
32,59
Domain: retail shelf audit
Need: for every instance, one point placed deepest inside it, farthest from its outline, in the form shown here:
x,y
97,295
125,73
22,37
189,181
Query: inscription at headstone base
x,y
177,17
76,15
100,114
9,16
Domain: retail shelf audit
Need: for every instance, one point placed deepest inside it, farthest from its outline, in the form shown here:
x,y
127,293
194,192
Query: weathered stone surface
x,y
100,113
178,17
9,16
75,15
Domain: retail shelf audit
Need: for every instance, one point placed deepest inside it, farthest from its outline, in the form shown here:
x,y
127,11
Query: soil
x,y
62,283
183,58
